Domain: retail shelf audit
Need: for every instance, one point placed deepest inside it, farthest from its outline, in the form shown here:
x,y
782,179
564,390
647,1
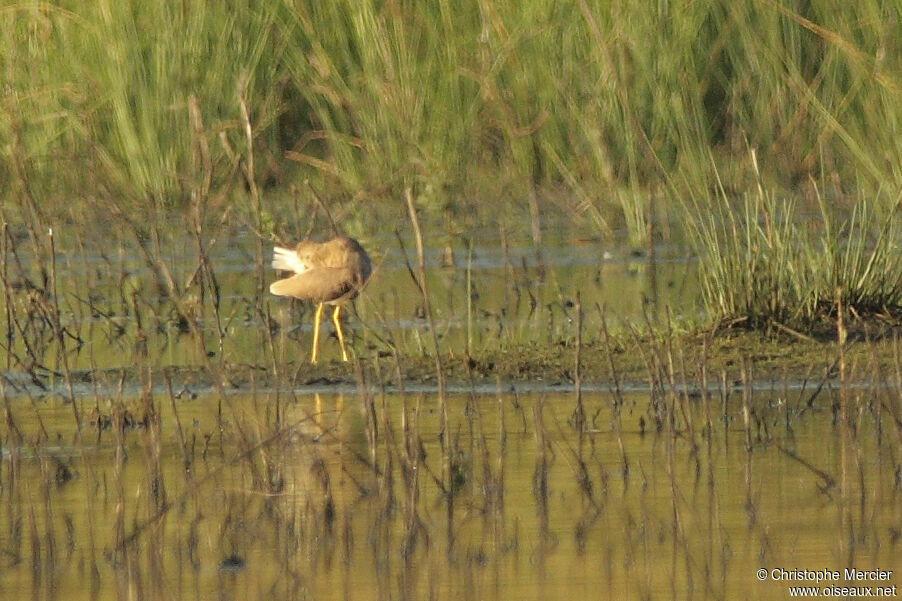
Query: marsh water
x,y
491,289
122,477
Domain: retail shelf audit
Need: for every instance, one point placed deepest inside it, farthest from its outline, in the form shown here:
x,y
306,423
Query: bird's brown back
x,y
339,253
338,269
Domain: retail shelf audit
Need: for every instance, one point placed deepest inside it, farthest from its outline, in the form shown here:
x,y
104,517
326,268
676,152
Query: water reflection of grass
x,y
346,495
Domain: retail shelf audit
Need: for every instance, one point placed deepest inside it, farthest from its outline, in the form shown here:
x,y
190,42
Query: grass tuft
x,y
768,261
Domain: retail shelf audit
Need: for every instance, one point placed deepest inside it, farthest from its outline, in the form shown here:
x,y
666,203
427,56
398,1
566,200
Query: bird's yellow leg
x,y
316,319
341,338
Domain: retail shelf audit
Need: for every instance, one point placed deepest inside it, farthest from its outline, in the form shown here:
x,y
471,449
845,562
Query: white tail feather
x,y
287,260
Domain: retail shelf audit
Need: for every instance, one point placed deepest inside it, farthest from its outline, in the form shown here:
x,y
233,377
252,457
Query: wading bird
x,y
324,272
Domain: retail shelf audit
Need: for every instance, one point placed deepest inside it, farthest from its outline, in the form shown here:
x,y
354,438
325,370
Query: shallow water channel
x,y
121,478
485,292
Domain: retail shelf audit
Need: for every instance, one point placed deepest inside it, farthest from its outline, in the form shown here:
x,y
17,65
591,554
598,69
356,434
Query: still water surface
x,y
517,506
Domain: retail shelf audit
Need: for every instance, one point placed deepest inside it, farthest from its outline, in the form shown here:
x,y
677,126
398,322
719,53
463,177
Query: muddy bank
x,y
640,362
681,361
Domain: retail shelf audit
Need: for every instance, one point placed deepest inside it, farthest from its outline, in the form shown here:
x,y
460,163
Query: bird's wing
x,y
319,284
287,259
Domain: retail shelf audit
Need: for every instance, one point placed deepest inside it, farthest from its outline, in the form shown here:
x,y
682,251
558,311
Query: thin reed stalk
x,y
423,285
60,336
578,417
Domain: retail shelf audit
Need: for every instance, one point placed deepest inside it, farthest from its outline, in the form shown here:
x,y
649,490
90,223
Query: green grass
x,y
768,261
370,97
